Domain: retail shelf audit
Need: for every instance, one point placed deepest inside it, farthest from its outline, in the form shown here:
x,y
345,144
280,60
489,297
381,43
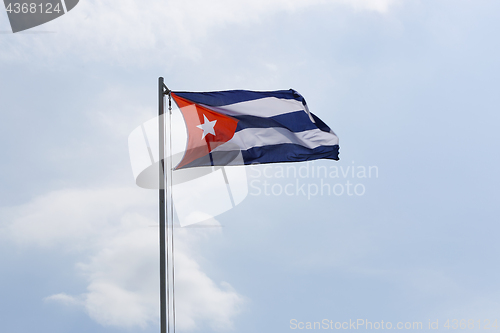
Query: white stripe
x,y
263,107
258,137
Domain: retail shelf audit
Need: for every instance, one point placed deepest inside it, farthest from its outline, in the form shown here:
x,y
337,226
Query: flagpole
x,y
163,269
167,267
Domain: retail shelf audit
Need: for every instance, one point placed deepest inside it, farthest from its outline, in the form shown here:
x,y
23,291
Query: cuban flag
x,y
237,127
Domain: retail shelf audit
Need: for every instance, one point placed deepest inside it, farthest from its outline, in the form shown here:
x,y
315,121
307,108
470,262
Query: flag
x,y
258,127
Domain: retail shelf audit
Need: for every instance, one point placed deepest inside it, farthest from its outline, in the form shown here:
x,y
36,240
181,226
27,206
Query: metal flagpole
x,y
163,268
167,268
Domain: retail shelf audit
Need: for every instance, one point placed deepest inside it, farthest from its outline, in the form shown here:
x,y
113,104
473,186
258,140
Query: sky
x,y
410,88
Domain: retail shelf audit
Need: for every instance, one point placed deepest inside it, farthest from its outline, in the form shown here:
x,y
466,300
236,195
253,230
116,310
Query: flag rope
x,y
171,212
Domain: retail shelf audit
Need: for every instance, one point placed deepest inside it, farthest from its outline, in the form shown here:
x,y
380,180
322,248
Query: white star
x,y
207,127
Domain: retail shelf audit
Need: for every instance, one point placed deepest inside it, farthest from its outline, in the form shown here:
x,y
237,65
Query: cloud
x,y
64,299
217,303
116,229
142,31
73,218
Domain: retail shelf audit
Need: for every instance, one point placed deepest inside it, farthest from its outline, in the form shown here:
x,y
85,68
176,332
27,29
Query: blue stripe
x,y
297,121
288,152
321,125
221,98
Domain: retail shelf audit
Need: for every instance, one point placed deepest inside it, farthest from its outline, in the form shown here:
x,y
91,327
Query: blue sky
x,y
410,87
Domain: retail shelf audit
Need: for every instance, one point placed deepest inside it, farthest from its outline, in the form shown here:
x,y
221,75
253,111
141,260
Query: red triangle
x,y
194,115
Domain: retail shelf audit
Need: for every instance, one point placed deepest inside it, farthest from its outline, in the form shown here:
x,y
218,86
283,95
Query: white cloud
x,y
381,6
219,304
142,31
73,218
112,227
64,299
